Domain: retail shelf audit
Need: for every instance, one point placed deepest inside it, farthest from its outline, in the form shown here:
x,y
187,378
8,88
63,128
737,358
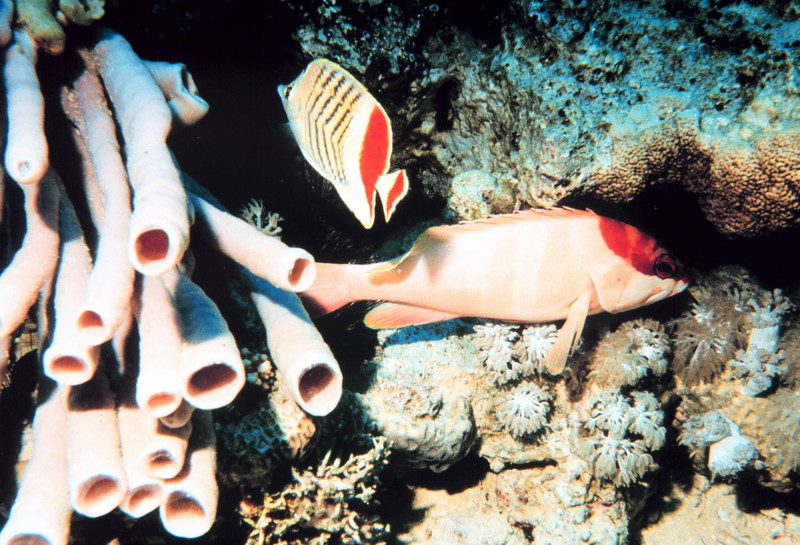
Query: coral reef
x,y
675,422
540,100
335,499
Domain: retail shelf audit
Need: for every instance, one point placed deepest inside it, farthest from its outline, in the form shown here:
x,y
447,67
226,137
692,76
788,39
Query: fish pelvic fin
x,y
391,188
394,315
329,291
568,337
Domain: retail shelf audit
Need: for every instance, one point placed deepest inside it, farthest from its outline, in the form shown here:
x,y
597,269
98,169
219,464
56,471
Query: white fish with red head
x,y
346,136
532,266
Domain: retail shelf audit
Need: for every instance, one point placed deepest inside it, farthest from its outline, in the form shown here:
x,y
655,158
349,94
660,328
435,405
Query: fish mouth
x,y
680,285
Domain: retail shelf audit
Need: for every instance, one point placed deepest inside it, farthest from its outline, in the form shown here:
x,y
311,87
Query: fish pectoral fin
x,y
392,315
609,283
391,188
568,336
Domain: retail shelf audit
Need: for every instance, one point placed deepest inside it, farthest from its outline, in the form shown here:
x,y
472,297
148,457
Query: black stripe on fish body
x,y
311,109
335,111
338,128
318,115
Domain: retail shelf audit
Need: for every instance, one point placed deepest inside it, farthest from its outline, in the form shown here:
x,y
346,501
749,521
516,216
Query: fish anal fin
x,y
392,188
568,337
393,315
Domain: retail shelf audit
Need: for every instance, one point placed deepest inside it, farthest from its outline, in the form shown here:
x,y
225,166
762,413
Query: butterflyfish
x,y
346,136
532,266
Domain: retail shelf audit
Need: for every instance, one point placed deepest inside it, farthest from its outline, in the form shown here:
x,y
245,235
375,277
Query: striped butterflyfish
x,y
346,136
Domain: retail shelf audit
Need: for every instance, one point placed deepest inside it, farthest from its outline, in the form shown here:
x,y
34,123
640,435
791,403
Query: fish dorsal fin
x,y
392,315
523,215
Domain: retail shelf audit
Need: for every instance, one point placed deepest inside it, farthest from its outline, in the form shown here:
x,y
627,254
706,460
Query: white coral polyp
x,y
496,342
611,415
537,341
524,412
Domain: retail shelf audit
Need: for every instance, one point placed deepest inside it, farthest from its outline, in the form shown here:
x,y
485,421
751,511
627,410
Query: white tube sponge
x,y
291,269
190,505
159,230
26,151
41,512
178,86
211,369
95,472
68,359
158,388
301,356
110,284
36,259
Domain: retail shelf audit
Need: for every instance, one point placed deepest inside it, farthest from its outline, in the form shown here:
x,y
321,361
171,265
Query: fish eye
x,y
665,267
287,90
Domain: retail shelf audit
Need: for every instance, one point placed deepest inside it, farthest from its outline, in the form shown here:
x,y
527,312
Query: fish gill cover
x,y
677,419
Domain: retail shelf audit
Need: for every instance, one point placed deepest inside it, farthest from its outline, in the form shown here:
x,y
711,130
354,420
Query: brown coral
x,y
746,185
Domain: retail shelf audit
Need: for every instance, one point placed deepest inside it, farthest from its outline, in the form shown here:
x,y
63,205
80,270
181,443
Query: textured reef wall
x,y
680,420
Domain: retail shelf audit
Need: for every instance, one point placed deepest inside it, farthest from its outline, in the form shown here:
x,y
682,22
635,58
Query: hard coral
x,y
335,499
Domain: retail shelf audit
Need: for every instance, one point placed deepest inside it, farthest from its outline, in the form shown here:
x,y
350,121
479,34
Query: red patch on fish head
x,y
630,244
374,160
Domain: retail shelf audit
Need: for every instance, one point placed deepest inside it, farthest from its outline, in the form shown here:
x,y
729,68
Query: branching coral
x,y
335,499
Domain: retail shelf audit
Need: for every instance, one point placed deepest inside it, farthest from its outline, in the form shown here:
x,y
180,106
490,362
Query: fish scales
x,y
507,266
533,266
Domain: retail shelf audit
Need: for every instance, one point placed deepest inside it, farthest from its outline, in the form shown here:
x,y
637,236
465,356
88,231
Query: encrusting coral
x,y
127,428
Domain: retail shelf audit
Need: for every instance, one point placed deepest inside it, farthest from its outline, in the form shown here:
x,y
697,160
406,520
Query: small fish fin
x,y
609,283
328,292
568,337
391,188
393,315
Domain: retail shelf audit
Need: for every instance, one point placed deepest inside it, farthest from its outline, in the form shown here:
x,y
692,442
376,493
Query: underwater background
x,y
675,421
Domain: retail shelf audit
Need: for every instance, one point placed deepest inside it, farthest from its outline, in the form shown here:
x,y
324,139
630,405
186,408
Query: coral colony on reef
x,y
124,385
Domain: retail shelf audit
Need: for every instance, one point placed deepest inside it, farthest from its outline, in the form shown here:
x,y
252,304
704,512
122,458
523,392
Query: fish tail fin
x,y
330,290
392,188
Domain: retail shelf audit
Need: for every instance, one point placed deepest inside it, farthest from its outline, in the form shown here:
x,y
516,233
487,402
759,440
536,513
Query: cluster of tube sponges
x,y
134,354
